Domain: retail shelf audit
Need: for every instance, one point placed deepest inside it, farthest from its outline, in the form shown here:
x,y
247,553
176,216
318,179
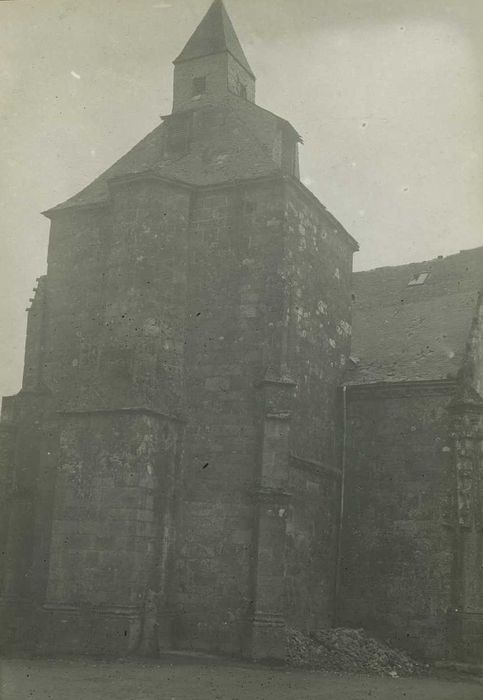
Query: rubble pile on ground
x,y
348,651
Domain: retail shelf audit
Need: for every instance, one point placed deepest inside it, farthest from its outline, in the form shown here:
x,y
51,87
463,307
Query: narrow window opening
x,y
240,88
199,86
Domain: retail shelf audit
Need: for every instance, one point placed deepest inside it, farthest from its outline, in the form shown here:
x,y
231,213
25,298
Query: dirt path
x,y
189,679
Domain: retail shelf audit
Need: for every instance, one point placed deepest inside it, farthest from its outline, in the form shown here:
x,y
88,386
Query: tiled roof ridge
x,y
437,259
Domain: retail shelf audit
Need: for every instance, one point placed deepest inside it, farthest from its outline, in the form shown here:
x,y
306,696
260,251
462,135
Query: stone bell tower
x,y
169,464
212,63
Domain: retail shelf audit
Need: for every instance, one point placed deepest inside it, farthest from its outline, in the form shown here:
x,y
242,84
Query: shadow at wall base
x,y
49,630
258,638
466,635
425,638
268,640
54,630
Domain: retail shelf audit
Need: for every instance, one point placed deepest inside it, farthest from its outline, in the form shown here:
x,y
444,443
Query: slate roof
x,y
418,332
214,34
232,139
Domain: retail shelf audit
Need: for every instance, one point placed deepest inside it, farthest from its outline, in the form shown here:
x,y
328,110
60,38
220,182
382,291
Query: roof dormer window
x,y
418,279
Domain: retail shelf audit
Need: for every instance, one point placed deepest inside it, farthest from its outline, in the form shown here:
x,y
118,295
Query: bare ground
x,y
192,678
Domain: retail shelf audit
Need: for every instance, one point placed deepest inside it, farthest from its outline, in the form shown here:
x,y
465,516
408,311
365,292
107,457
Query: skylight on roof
x,y
418,279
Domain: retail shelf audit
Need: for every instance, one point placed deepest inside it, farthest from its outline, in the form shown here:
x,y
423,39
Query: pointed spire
x,y
214,34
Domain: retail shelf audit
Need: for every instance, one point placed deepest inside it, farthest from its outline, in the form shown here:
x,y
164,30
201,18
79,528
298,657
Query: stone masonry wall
x,y
317,270
116,295
111,494
234,239
397,537
24,522
25,513
74,291
113,359
222,73
318,267
167,309
312,529
142,353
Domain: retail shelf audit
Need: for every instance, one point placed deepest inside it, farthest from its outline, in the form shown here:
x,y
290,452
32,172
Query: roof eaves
x,y
113,181
246,67
236,182
65,206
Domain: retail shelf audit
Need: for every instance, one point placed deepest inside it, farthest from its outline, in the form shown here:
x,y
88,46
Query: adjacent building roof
x,y
214,34
412,322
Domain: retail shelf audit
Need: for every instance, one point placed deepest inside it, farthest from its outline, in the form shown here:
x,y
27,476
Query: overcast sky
x,y
387,95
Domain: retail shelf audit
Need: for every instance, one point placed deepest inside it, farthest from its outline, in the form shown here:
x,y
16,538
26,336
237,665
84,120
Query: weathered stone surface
x,y
397,552
174,469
